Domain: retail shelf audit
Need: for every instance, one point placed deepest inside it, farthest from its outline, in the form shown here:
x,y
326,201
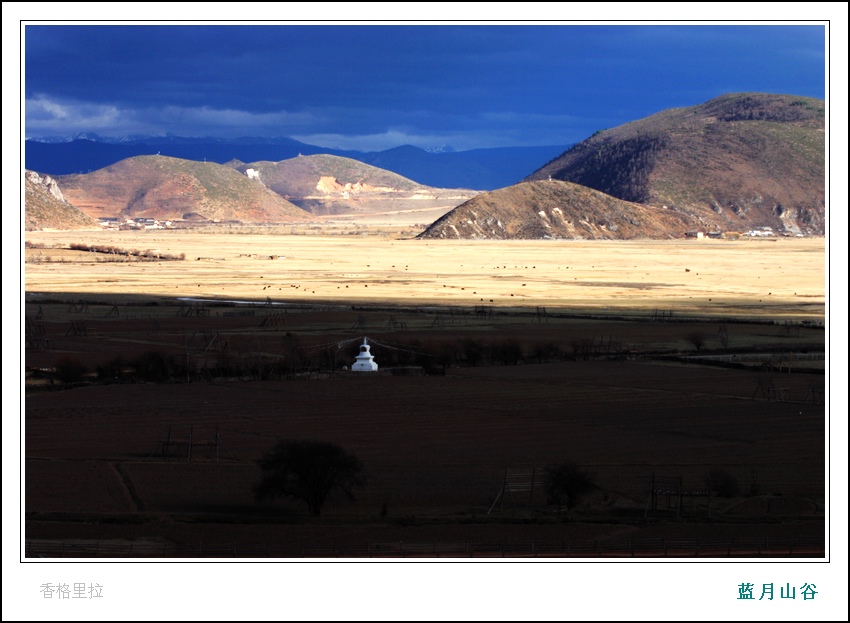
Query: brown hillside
x,y
46,207
170,188
560,210
332,185
233,163
737,162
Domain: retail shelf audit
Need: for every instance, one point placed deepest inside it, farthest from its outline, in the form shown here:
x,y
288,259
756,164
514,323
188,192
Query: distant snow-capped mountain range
x,y
133,139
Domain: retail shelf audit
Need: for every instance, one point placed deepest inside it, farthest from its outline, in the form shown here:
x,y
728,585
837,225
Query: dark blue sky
x,y
377,86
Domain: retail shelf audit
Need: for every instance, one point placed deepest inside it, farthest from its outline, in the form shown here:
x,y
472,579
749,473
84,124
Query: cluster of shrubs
x,y
725,484
431,355
296,359
468,351
149,367
111,250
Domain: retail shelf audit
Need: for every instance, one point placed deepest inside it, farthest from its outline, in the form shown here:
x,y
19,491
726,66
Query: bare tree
x,y
567,482
308,471
722,482
697,338
70,370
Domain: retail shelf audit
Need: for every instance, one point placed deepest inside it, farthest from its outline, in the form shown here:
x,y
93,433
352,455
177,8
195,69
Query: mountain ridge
x,y
553,209
325,184
479,169
168,188
738,161
735,163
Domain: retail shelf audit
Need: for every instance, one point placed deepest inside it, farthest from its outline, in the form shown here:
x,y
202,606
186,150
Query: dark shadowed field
x,y
476,391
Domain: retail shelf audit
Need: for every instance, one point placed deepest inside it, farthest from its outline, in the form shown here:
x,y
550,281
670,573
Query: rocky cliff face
x,y
47,183
46,207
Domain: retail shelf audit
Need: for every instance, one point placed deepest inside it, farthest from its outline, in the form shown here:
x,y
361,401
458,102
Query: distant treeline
x,y
111,250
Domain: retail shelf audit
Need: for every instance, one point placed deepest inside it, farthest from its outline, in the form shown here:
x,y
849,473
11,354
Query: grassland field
x,y
776,278
606,375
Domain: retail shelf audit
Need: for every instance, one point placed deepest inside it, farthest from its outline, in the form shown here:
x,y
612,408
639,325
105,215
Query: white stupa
x,y
364,362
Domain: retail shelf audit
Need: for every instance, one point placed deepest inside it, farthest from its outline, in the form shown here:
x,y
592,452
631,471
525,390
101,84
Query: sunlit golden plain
x,y
783,278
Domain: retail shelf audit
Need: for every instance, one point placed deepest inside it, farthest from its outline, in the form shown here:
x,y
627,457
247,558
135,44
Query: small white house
x,y
364,362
